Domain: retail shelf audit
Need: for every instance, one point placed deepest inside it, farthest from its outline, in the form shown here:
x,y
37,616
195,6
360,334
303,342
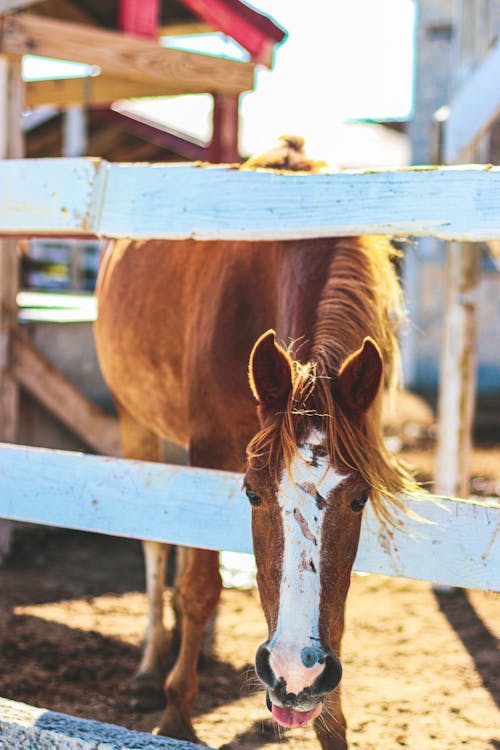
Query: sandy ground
x,y
421,669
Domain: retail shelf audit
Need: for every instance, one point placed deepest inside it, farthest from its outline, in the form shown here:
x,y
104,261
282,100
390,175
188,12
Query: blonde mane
x,y
361,297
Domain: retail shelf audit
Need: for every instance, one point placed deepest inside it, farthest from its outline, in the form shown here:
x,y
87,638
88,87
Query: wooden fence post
x,y
457,379
11,146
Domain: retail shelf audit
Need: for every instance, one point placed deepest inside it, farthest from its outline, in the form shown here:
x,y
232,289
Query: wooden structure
x,y
120,39
207,508
458,68
474,107
92,198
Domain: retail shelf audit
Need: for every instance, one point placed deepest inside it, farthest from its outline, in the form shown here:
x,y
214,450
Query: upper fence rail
x,y
89,197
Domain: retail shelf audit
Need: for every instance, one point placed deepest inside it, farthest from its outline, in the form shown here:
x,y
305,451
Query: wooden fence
x,y
88,197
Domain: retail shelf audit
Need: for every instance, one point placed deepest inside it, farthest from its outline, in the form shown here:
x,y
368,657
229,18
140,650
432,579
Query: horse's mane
x,y
361,297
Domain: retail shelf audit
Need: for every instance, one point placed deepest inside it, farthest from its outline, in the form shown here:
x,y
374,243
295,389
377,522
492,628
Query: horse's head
x,y
307,497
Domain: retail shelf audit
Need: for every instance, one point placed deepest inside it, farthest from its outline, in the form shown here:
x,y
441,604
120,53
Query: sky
x,y
342,60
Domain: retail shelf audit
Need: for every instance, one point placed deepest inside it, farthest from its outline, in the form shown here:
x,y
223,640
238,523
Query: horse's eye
x,y
252,496
359,503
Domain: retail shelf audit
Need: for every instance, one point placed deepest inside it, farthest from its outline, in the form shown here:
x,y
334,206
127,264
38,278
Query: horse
x,y
314,321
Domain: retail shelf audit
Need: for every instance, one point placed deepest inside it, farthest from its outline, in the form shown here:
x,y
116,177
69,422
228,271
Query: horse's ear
x,y
359,378
270,373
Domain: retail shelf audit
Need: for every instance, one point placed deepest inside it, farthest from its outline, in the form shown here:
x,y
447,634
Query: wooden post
x,y
224,144
457,380
139,17
11,146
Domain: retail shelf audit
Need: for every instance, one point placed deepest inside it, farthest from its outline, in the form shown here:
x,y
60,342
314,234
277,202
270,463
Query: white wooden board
x,y
24,727
206,508
84,197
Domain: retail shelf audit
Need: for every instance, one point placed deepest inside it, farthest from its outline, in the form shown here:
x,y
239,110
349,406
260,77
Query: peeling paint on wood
x,y
90,197
207,508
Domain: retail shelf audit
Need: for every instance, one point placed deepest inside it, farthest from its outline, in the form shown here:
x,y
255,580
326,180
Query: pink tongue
x,y
287,717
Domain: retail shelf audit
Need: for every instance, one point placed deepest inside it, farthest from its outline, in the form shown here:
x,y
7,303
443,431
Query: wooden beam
x,y
185,29
473,109
64,10
253,30
98,429
125,55
207,508
89,197
92,90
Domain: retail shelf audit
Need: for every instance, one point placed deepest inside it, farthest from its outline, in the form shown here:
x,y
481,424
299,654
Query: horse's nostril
x,y
329,677
263,666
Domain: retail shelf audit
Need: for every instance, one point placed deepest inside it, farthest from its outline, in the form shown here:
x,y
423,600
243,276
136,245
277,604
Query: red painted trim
x,y
139,17
254,31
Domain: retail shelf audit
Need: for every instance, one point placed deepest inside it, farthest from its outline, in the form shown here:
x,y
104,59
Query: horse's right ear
x,y
270,373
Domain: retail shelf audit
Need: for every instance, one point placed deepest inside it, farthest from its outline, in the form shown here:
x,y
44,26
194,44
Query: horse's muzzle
x,y
310,695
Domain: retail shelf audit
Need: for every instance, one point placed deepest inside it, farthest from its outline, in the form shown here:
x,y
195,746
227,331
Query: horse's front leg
x,y
330,726
147,682
198,596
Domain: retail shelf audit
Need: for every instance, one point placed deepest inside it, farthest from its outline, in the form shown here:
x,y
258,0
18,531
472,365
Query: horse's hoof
x,y
146,693
172,724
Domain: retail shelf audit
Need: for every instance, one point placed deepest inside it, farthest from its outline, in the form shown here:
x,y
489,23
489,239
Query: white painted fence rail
x,y
90,197
24,727
207,508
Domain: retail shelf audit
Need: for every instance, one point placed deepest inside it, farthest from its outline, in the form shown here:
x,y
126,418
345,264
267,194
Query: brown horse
x,y
178,323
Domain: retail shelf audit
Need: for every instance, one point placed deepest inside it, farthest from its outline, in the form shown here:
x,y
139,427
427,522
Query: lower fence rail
x,y
23,727
454,542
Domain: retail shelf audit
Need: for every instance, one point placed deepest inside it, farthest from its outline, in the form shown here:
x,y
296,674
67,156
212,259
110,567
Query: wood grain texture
x,y
207,508
89,197
11,146
458,366
124,54
23,726
101,89
98,429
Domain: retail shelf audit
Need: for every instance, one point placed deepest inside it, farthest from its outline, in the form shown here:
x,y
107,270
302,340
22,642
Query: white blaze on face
x,y
302,496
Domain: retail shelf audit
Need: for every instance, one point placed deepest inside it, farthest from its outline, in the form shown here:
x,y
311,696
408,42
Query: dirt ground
x,y
421,669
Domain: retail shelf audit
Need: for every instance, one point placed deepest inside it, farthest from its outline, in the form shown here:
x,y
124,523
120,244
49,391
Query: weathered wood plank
x,y
23,727
124,54
98,429
89,197
11,146
207,508
100,89
457,373
473,109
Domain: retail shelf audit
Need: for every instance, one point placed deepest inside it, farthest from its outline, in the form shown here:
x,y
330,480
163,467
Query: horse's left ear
x,y
270,373
359,378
